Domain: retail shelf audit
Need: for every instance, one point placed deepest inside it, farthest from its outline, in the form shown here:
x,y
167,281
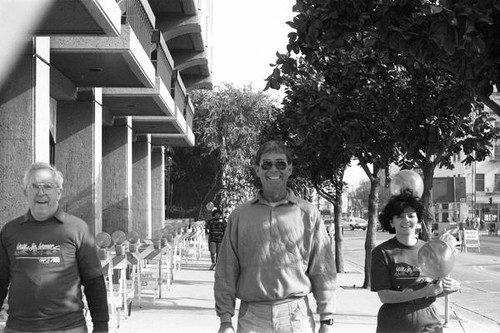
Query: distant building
x,y
476,187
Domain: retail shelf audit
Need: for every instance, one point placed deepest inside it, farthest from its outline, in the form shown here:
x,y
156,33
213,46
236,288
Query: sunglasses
x,y
280,165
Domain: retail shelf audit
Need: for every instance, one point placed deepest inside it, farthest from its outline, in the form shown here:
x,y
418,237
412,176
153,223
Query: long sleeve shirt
x,y
45,263
271,253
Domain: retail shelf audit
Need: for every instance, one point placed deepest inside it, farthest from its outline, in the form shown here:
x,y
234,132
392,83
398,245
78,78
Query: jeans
x,y
214,248
291,316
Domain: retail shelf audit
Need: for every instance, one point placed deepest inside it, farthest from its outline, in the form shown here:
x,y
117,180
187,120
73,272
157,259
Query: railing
x,y
141,19
162,60
189,112
178,91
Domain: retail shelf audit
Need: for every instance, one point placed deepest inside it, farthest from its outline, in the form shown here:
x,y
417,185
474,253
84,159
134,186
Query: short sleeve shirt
x,y
395,267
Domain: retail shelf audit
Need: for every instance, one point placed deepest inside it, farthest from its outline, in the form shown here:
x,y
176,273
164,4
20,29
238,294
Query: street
x,y
478,273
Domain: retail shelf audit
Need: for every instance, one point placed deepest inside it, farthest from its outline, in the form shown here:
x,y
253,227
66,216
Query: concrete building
x,y
100,89
475,188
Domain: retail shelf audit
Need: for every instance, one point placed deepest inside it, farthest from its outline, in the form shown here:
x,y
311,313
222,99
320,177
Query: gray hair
x,y
58,177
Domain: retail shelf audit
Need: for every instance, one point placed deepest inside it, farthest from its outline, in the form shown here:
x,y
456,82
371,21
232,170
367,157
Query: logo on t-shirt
x,y
409,277
44,253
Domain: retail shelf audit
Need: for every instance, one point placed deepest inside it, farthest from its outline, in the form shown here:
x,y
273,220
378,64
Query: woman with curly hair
x,y
406,293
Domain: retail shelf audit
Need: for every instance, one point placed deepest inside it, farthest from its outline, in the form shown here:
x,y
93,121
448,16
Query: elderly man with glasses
x,y
275,252
46,256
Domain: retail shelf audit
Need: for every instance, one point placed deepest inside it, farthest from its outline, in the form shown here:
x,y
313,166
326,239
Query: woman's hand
x,y
432,290
450,285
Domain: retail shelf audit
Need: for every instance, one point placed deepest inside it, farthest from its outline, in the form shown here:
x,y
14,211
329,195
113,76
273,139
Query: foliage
x,y
390,104
460,36
219,169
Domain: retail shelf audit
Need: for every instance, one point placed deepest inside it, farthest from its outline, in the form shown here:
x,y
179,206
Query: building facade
x,y
475,188
100,89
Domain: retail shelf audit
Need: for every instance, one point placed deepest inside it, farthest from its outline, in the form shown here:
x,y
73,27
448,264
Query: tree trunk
x,y
339,238
428,218
371,231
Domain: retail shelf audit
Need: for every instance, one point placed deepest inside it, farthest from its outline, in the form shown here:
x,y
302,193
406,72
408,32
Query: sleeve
x,y
89,264
379,271
4,258
4,287
95,292
226,275
322,270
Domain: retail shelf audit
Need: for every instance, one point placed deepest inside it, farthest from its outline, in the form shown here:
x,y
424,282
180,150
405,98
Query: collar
x,y
290,198
58,216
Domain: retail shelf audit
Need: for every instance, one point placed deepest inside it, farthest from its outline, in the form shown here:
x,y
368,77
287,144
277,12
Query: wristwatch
x,y
328,322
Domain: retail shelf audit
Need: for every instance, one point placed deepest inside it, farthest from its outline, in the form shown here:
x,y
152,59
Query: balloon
x,y
436,259
407,180
210,206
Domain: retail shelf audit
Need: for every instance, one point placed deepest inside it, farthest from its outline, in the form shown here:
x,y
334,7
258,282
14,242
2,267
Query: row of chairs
x,y
137,270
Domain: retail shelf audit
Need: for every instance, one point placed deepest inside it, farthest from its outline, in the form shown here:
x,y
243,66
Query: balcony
x,y
122,61
79,17
170,131
156,101
185,27
175,130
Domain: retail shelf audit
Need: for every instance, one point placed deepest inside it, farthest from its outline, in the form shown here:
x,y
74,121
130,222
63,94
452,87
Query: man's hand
x,y
226,328
325,328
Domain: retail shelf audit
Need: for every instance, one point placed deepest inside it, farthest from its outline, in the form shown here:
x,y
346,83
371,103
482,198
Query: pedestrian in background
x,y
46,255
215,228
275,252
406,293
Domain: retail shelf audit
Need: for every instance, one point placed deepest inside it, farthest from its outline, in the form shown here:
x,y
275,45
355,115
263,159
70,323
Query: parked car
x,y
357,223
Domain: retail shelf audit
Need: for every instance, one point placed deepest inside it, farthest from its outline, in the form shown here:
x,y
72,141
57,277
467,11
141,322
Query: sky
x,y
246,37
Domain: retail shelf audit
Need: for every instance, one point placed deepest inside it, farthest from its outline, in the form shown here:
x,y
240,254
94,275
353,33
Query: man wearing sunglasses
x,y
46,256
275,252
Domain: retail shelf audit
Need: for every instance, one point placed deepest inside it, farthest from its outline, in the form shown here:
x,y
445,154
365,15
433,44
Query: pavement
x,y
188,306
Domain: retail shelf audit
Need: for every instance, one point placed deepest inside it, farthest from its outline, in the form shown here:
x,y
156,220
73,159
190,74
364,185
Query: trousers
x,y
290,316
81,329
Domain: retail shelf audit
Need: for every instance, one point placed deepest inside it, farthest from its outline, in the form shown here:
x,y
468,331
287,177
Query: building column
x,y
117,176
141,186
79,155
158,188
24,124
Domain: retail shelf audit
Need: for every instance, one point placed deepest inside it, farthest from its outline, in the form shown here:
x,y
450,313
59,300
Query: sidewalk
x,y
189,306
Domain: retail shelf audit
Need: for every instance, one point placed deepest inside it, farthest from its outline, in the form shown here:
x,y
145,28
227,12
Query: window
x,y
496,150
497,182
479,181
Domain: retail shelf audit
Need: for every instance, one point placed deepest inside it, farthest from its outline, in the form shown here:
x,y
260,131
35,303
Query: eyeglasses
x,y
280,165
45,187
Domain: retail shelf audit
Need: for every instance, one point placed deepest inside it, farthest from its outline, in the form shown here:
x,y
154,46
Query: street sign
x,y
471,239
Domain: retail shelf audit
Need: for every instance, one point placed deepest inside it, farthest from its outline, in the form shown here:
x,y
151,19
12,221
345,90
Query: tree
x,y
375,82
219,169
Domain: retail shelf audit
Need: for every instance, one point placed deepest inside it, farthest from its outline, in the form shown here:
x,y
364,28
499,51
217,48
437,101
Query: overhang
x,y
173,140
170,131
103,61
155,101
80,17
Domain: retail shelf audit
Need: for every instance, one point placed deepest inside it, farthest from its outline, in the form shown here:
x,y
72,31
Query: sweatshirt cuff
x,y
226,318
100,326
326,316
